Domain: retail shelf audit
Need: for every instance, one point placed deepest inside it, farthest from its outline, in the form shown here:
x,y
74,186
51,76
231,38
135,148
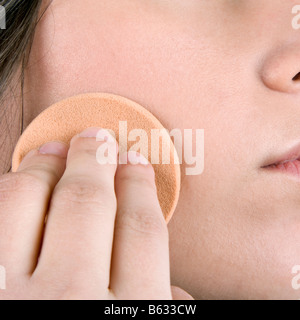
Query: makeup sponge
x,y
63,120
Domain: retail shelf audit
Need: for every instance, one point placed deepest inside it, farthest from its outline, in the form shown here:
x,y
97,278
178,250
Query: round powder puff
x,y
65,119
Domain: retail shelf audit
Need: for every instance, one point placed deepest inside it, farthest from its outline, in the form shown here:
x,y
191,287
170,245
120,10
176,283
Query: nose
x,y
281,69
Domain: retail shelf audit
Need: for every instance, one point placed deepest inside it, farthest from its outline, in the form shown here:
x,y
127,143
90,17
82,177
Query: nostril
x,y
297,77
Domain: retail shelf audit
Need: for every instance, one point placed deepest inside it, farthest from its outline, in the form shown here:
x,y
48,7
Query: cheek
x,y
152,59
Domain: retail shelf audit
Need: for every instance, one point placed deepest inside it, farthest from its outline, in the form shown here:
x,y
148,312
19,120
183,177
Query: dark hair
x,y
22,17
15,40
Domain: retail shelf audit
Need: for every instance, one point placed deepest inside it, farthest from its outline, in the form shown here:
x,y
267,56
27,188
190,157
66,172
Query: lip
x,y
291,155
288,162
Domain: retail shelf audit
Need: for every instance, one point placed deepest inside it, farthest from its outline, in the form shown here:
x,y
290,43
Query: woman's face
x,y
225,66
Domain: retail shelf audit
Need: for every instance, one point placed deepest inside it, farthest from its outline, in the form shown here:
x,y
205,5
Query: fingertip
x,y
55,148
51,154
27,159
180,294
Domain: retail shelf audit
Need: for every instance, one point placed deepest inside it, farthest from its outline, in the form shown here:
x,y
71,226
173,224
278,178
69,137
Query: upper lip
x,y
292,154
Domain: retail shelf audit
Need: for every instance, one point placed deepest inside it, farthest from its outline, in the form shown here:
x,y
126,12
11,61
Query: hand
x,y
104,236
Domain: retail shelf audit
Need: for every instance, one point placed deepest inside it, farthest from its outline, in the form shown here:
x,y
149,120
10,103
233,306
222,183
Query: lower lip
x,y
290,167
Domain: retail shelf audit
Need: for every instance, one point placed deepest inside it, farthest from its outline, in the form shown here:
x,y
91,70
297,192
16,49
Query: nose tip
x,y
281,70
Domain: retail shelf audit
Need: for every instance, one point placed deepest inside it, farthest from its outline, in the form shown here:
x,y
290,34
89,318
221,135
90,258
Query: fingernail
x,y
106,135
54,148
136,158
101,134
90,133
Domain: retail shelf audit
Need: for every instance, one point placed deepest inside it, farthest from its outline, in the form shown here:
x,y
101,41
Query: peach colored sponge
x,y
69,117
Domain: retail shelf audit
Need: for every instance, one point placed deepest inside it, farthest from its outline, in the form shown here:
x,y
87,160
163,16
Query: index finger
x,y
79,232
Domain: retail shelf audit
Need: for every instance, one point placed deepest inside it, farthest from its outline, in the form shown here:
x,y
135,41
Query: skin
x,y
224,66
83,254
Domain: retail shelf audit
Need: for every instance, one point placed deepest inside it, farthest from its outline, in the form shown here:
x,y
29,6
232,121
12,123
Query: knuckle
x,y
76,193
142,221
21,182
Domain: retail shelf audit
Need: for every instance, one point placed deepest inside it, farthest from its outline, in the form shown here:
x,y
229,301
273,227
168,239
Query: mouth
x,y
288,163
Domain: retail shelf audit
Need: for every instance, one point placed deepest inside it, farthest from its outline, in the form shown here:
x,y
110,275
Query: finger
x,y
140,263
24,198
180,294
79,233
